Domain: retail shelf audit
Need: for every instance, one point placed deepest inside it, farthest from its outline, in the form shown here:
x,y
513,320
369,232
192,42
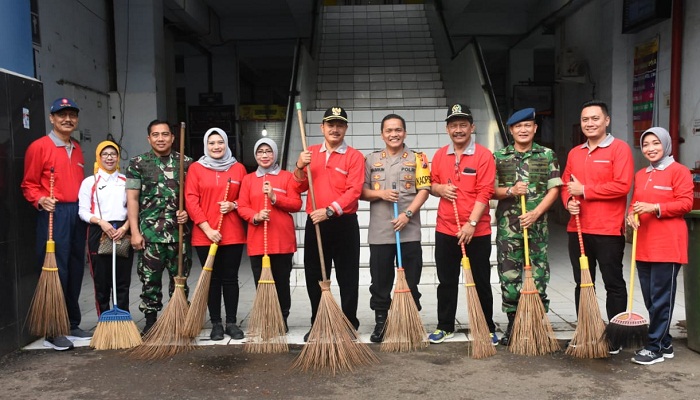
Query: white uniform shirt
x,y
110,191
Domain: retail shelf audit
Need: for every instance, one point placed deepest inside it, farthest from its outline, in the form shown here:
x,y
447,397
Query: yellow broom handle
x,y
633,264
525,239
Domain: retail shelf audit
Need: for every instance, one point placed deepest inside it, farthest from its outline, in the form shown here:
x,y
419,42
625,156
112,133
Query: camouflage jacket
x,y
158,183
540,169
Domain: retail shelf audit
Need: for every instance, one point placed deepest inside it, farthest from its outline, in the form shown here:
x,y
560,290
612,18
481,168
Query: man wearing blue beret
x,y
523,168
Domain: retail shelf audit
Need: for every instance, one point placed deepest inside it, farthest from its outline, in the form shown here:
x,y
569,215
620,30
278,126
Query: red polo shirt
x,y
41,156
337,178
474,176
606,174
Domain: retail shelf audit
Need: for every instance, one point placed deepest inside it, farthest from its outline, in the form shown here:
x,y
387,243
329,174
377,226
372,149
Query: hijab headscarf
x,y
223,163
98,156
274,169
665,139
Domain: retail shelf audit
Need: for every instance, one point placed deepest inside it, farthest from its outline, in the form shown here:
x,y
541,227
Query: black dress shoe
x,y
234,331
217,332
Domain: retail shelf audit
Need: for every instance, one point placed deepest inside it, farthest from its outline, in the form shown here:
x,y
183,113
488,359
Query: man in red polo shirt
x,y
598,176
338,174
58,151
463,171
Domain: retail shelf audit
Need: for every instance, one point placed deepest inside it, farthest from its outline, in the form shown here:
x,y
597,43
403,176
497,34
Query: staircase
x,y
377,60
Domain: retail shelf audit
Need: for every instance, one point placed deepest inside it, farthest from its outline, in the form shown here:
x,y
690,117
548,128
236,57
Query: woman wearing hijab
x,y
282,192
204,198
102,204
663,193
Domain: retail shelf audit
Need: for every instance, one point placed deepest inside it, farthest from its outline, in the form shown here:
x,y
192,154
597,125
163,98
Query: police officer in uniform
x,y
523,168
394,174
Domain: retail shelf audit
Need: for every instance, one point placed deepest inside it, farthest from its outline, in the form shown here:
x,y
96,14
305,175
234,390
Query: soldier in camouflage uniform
x,y
523,168
152,186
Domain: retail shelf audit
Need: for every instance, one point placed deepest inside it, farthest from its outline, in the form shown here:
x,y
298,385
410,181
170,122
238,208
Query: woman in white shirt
x,y
102,204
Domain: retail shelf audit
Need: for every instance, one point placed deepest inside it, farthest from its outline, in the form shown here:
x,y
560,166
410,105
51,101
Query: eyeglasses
x,y
165,135
109,155
457,173
263,152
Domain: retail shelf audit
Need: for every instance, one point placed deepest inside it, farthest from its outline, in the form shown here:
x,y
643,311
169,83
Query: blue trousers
x,y
658,283
69,233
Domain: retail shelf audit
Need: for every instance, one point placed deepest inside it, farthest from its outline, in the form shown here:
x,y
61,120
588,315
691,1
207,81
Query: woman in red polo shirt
x,y
282,192
663,193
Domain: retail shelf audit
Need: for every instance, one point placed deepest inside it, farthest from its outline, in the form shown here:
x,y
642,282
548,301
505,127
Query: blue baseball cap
x,y
63,103
526,114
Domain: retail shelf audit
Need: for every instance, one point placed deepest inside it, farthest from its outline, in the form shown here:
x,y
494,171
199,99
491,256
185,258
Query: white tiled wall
x,y
377,60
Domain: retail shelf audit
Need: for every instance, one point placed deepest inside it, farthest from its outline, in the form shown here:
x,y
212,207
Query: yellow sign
x,y
262,112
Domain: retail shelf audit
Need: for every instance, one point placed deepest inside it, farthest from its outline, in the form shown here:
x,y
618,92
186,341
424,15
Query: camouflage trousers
x,y
151,262
511,259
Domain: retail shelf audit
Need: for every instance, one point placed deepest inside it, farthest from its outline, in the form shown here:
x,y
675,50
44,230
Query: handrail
x,y
438,8
293,92
488,87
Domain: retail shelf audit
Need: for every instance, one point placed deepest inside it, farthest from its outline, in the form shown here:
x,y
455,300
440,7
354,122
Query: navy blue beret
x,y
526,114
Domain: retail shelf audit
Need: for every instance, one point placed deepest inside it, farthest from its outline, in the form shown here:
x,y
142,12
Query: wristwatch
x,y
409,213
509,191
472,223
330,212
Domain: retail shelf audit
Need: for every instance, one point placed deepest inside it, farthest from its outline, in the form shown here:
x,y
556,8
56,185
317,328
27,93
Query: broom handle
x,y
319,243
454,206
181,227
525,238
51,183
580,235
221,217
399,263
114,271
265,223
633,265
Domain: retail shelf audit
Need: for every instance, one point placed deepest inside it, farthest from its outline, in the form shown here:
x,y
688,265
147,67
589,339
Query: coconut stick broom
x,y
532,332
194,321
115,329
481,346
589,337
333,344
628,328
167,337
266,330
48,315
403,331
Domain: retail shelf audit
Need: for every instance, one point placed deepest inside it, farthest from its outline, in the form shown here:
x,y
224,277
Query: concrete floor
x,y
562,313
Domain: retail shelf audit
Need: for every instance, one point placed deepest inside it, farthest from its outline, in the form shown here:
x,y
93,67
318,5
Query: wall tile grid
x,y
376,60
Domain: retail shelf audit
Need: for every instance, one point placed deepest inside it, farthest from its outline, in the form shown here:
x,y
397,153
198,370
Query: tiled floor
x,y
562,312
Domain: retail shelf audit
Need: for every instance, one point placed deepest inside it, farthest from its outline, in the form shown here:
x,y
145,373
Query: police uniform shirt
x,y
382,171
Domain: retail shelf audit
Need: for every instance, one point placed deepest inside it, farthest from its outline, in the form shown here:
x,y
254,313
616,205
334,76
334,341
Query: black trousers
x,y
101,270
606,252
281,266
381,267
341,246
224,278
448,258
